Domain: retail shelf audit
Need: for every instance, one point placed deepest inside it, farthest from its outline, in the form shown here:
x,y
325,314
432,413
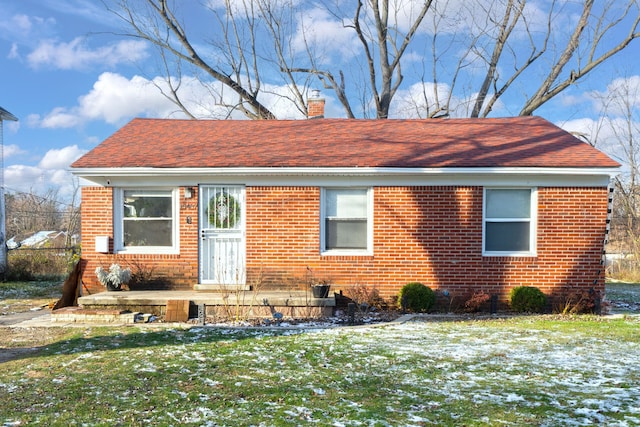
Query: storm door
x,y
222,231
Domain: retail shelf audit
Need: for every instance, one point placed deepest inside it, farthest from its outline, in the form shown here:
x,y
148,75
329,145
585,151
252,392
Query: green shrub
x,y
416,297
38,264
527,299
19,269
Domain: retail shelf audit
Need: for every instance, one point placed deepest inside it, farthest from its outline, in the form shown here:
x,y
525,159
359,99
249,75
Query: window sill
x,y
147,251
510,254
344,252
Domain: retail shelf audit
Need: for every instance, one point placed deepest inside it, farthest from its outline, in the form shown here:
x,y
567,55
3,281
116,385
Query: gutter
x,y
512,176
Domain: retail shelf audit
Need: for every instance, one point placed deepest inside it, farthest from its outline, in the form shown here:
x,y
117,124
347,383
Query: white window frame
x,y
323,206
532,220
118,226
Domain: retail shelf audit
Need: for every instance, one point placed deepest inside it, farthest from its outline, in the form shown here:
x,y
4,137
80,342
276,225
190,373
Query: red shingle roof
x,y
500,142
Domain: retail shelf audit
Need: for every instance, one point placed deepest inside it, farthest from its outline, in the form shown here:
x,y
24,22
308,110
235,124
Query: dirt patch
x,y
23,305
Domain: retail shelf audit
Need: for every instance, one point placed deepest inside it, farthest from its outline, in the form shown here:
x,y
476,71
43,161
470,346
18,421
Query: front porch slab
x,y
236,305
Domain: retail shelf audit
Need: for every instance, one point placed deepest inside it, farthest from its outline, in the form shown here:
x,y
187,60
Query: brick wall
x,y
427,234
167,271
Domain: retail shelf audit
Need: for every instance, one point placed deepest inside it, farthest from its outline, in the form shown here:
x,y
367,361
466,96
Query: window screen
x,y
508,225
346,213
147,218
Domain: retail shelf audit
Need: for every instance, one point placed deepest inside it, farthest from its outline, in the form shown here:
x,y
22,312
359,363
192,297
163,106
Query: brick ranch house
x,y
461,205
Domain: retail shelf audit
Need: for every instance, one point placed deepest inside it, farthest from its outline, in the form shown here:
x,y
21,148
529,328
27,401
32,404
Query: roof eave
x,y
5,115
338,171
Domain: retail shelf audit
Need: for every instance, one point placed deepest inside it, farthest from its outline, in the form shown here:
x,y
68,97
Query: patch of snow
x,y
211,383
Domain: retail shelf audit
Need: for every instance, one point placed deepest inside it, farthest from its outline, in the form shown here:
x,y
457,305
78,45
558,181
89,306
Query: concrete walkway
x,y
26,316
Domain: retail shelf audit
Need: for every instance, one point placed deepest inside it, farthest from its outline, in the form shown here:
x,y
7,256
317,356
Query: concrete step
x,y
84,315
178,306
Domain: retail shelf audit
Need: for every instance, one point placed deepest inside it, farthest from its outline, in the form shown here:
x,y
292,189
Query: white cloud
x,y
11,126
324,34
116,99
618,108
589,130
33,120
113,99
471,17
93,140
62,158
572,100
277,101
11,150
77,55
452,17
609,135
13,53
17,177
50,173
20,25
58,118
23,29
421,100
621,95
537,17
239,7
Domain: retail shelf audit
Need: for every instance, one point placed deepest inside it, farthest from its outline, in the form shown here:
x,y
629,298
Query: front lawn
x,y
523,371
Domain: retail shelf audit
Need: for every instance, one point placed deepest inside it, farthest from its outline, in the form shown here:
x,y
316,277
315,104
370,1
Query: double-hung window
x,y
146,221
509,227
346,220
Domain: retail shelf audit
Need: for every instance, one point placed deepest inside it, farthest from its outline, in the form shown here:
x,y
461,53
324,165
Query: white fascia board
x,y
529,176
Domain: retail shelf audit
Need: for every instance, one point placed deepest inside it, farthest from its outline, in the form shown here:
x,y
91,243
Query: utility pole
x,y
4,115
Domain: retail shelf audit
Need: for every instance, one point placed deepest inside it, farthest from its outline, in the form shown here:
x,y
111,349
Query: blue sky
x,y
48,63
72,82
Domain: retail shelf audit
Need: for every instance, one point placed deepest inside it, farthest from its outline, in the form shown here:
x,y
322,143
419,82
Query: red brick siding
x,y
174,271
427,234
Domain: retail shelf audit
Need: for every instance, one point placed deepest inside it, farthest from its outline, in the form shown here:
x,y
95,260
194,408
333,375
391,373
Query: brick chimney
x,y
315,105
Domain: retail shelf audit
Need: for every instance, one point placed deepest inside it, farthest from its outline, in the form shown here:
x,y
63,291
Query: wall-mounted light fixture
x,y
188,192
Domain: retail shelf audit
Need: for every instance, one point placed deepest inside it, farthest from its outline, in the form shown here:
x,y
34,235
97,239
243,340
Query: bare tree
x,y
505,40
29,213
587,49
479,51
70,216
390,46
619,130
159,24
512,14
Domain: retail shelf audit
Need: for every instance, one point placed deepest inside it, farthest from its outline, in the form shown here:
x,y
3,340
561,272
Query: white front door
x,y
222,231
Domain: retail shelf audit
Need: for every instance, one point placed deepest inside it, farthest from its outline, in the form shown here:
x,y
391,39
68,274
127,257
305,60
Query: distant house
x,y
40,239
461,205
